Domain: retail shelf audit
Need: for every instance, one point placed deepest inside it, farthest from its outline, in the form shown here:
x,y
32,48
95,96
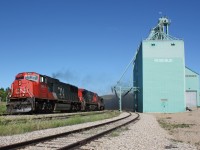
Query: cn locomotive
x,y
33,92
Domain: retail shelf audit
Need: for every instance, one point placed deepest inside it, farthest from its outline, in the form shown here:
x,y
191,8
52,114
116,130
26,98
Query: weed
x,y
197,144
124,128
174,140
118,131
168,117
170,146
2,107
170,126
114,134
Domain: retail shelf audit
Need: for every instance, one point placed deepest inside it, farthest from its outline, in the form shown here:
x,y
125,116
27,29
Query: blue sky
x,y
87,43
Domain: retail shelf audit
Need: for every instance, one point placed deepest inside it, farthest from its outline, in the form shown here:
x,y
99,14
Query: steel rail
x,y
3,114
35,141
61,115
92,138
68,113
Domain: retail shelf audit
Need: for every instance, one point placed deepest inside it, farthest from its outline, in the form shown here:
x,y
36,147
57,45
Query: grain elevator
x,y
159,73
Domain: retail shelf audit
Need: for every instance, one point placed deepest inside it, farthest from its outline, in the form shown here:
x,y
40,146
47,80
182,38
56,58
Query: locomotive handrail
x,y
7,98
30,94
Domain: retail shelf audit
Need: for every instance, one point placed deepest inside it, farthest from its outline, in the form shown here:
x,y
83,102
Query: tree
x,y
4,93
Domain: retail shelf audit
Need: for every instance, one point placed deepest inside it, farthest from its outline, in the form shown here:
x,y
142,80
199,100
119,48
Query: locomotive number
x,y
61,92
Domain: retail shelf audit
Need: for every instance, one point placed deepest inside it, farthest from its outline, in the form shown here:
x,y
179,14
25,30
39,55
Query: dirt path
x,y
184,127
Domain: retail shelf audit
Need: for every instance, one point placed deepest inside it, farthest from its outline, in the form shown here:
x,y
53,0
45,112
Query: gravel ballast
x,y
146,134
142,135
7,140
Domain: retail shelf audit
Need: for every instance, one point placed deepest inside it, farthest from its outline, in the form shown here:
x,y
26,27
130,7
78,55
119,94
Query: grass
x,y
197,144
8,127
171,126
114,134
117,132
176,141
2,107
168,117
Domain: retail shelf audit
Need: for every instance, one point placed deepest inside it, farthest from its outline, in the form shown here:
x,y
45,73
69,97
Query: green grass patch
x,y
2,107
176,141
168,117
171,126
114,134
197,144
8,127
118,131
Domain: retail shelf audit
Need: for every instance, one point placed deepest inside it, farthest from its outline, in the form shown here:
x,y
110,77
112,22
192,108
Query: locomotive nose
x,y
21,88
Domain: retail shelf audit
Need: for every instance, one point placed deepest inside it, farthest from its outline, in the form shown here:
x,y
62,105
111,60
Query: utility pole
x,y
120,99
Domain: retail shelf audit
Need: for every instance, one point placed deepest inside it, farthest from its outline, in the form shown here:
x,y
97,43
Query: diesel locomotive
x,y
33,92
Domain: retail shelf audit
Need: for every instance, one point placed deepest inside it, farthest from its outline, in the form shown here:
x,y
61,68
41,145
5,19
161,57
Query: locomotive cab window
x,y
31,77
19,78
41,79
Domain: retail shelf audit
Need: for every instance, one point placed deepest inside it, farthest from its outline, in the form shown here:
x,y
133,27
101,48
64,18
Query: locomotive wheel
x,y
101,108
50,107
87,107
44,107
38,107
79,107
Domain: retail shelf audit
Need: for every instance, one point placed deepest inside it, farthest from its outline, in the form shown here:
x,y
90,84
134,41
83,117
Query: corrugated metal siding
x,y
162,76
192,85
138,81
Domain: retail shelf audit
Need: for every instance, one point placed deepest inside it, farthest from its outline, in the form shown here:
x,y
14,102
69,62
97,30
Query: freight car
x,y
33,92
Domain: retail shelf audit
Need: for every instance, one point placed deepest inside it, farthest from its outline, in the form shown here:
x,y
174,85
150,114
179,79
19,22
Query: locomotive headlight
x,y
22,94
17,91
20,83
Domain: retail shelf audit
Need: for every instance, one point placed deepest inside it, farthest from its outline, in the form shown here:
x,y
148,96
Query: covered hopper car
x,y
33,92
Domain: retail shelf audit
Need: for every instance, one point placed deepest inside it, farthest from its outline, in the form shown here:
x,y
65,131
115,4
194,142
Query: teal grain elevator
x,y
159,73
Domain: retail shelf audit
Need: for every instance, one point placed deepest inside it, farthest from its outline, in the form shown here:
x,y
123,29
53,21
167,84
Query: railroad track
x,y
75,138
55,113
24,118
3,114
